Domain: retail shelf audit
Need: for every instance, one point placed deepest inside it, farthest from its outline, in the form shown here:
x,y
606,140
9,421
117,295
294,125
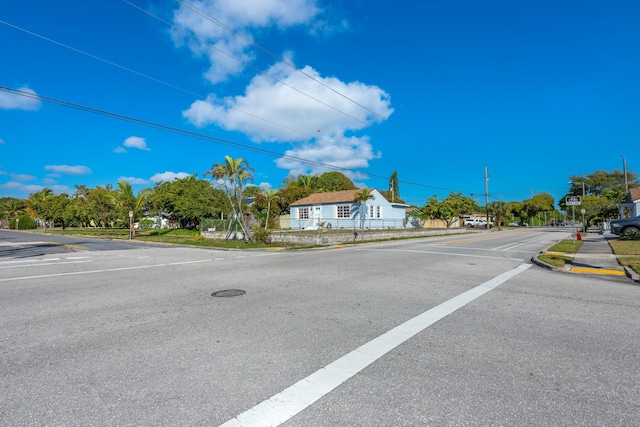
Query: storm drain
x,y
228,293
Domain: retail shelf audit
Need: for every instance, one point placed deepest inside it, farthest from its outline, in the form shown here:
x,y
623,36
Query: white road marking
x,y
48,264
441,253
76,273
291,401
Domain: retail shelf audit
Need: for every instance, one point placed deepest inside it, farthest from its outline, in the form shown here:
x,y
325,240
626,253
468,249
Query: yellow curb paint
x,y
597,271
339,246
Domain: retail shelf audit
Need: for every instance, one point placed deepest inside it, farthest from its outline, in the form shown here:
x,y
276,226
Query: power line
x,y
195,135
292,66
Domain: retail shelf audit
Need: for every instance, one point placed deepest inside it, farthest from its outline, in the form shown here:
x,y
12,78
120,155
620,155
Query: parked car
x,y
514,224
476,222
625,225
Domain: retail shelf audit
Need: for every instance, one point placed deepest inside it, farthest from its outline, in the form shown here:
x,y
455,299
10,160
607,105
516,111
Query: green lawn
x,y
557,259
629,251
177,236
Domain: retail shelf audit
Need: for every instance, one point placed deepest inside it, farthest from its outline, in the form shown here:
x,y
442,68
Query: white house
x,y
340,210
631,206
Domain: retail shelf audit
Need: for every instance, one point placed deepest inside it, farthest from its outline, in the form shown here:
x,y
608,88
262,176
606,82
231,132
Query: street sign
x,y
583,211
131,214
573,200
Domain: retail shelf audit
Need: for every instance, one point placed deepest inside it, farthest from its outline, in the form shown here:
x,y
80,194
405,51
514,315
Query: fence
x,y
347,223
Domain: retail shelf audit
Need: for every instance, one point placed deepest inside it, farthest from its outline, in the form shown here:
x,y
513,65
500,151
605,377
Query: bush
x,y
261,236
631,234
25,223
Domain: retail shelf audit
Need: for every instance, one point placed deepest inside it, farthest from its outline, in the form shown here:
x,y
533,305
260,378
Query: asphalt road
x,y
20,244
461,330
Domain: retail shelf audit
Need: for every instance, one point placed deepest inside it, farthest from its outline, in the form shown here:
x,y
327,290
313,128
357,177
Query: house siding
x,y
391,215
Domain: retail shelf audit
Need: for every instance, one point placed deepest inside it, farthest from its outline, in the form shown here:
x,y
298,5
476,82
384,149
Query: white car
x,y
476,222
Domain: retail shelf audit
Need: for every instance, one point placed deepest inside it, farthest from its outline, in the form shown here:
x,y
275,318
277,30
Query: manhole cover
x,y
228,293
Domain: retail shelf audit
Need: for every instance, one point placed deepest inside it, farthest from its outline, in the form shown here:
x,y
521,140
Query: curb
x,y
629,272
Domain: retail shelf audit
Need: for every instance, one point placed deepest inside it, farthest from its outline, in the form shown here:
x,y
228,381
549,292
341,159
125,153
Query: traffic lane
x,y
155,345
92,262
22,244
535,351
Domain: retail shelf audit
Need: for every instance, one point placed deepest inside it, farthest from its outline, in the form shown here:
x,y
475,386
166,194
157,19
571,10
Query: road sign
x,y
573,200
130,214
583,211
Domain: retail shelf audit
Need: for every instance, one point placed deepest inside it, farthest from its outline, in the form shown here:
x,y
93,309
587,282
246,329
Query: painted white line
x,y
188,262
76,273
48,264
441,253
15,244
291,401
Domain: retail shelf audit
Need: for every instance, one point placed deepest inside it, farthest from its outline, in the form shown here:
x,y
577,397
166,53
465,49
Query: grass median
x,y
559,254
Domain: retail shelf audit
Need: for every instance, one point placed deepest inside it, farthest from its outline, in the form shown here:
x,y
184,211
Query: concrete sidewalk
x,y
595,255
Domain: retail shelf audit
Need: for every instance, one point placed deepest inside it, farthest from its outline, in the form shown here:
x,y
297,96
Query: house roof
x,y
634,193
345,196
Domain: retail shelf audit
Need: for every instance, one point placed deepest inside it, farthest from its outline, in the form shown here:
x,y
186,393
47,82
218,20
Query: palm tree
x,y
12,208
500,210
361,198
38,203
127,202
271,195
232,176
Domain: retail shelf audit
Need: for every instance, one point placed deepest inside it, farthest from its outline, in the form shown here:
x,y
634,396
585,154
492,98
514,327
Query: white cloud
x,y
136,142
1,141
339,151
19,187
218,44
317,131
12,101
168,176
22,177
119,150
49,181
68,170
133,180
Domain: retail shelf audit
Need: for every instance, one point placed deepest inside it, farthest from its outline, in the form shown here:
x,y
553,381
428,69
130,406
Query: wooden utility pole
x,y
486,194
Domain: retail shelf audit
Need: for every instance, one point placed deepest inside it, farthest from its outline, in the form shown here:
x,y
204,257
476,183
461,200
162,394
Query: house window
x,y
303,213
343,211
378,212
371,208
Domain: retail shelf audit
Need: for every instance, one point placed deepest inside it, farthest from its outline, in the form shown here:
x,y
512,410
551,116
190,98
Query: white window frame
x,y
343,211
378,211
300,213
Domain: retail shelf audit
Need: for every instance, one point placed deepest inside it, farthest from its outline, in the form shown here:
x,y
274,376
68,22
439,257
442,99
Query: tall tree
x,y
232,176
271,196
394,188
361,197
12,207
187,200
450,209
332,181
499,210
127,202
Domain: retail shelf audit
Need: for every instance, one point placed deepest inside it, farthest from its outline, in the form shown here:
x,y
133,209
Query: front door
x,y
316,216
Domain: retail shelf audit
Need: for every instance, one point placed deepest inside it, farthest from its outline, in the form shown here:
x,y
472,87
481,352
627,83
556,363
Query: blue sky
x,y
536,91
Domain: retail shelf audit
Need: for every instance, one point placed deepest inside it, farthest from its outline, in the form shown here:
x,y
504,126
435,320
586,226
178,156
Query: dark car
x,y
625,225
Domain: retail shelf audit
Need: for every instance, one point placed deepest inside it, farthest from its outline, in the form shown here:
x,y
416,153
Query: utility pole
x,y
486,194
624,168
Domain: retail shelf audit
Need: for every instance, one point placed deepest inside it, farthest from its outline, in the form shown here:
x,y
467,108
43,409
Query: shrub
x,y
631,234
262,236
25,223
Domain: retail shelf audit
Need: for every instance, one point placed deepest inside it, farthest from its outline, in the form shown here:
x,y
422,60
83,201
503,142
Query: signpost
x,y
130,225
573,201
